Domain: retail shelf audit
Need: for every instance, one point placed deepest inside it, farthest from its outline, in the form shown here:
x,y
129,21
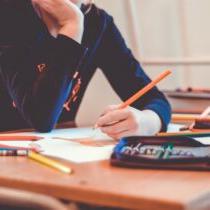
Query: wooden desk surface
x,y
100,183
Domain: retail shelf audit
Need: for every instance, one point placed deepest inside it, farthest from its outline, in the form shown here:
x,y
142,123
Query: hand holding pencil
x,y
129,121
122,120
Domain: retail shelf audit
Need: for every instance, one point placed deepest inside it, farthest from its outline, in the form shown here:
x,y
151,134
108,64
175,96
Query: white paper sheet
x,y
74,144
70,133
74,151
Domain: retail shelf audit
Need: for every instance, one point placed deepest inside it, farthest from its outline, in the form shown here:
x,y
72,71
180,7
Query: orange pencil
x,y
19,138
185,133
143,91
189,118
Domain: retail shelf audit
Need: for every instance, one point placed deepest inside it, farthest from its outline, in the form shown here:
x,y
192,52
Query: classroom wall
x,y
162,34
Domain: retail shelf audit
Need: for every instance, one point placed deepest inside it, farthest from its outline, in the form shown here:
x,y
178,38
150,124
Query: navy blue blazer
x,y
37,70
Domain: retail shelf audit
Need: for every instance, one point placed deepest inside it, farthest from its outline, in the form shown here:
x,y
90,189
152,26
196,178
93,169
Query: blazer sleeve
x,y
126,75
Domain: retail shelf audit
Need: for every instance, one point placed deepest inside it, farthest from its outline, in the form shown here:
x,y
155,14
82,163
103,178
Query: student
x,y
43,43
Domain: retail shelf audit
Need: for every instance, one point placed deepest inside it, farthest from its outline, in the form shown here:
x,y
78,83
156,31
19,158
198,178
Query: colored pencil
x,y
185,133
19,138
49,162
146,89
189,118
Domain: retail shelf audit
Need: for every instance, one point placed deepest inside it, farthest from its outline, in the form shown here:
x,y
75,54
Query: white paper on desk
x,y
71,149
74,152
70,133
68,150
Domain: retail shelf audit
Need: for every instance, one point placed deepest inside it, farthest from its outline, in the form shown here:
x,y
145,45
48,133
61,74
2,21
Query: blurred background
x,y
163,34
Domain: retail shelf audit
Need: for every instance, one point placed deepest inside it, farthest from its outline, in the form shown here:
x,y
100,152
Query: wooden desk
x,y
100,183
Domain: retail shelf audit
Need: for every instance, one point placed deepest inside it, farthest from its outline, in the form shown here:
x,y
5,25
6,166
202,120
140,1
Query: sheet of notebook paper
x,y
74,151
74,144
